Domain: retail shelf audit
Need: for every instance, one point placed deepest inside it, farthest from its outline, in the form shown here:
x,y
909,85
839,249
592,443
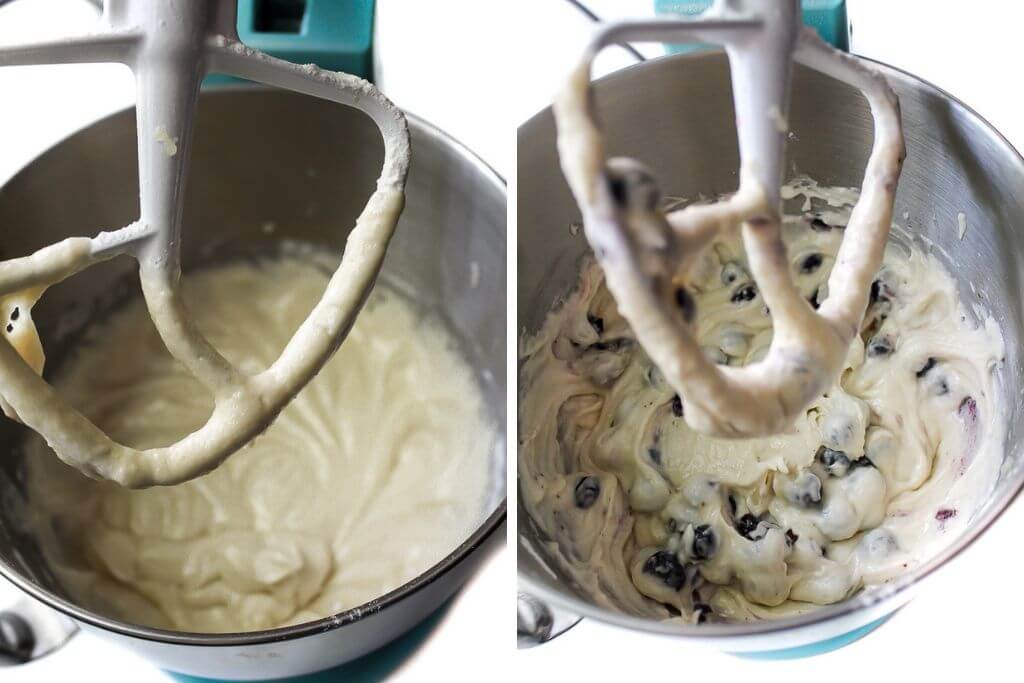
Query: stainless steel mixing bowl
x,y
304,166
675,114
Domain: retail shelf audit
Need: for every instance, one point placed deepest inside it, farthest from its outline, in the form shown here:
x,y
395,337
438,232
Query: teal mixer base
x,y
827,17
332,34
818,648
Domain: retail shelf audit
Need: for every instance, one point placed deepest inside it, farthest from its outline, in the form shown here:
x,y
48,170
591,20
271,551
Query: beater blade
x,y
646,253
170,47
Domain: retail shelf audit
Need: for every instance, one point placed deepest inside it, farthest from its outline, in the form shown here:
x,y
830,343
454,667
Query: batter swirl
x,y
653,518
373,474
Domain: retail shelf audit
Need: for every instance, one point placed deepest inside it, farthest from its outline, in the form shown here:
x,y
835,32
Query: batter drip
x,y
373,474
651,517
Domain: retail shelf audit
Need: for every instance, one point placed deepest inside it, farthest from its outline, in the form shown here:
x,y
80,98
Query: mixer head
x,y
646,253
170,47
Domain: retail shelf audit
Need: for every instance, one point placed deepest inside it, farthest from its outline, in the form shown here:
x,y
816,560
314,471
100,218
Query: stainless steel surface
x,y
675,115
306,166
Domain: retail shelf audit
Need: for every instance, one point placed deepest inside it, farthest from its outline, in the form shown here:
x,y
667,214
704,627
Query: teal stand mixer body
x,y
333,35
827,17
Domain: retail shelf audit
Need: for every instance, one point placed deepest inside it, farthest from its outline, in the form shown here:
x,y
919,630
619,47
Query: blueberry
x,y
614,345
677,406
631,185
596,322
818,225
937,383
753,528
927,367
617,186
705,543
879,543
672,610
666,567
715,355
587,491
805,490
838,429
879,346
968,409
10,328
747,292
686,304
811,263
880,291
862,461
747,524
702,610
731,272
791,537
15,314
836,462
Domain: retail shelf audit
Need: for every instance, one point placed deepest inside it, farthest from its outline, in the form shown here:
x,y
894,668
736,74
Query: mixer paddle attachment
x,y
170,47
646,253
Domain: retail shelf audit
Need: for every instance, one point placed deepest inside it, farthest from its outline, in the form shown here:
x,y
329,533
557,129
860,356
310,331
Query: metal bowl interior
x,y
266,157
675,115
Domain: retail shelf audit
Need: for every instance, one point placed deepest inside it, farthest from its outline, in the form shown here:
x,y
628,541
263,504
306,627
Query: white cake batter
x,y
653,518
374,473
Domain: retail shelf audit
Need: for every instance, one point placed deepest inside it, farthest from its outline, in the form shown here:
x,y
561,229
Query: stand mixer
x,y
646,253
170,46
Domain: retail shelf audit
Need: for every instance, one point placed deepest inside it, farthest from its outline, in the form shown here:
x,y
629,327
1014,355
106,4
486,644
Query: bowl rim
x,y
481,535
895,592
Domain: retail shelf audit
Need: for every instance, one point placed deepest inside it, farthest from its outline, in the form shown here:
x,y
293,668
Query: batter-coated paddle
x,y
646,253
170,45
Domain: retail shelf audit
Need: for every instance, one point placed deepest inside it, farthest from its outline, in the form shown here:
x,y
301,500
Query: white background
x,y
477,68
963,625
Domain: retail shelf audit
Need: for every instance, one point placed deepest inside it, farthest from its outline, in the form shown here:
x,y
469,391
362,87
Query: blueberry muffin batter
x,y
652,518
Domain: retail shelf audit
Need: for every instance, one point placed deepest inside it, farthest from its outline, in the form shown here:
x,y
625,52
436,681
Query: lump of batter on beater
x,y
347,496
881,470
